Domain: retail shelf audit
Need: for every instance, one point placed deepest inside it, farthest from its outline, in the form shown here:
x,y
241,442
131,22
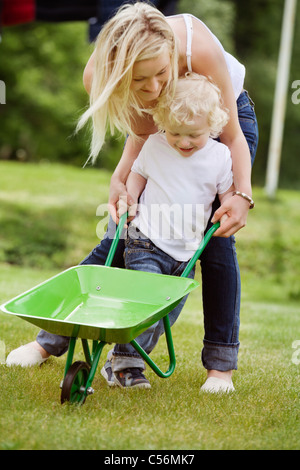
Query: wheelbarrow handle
x,y
116,239
198,253
190,264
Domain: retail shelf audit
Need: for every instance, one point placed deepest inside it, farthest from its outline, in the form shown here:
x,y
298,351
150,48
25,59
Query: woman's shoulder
x,y
204,48
178,24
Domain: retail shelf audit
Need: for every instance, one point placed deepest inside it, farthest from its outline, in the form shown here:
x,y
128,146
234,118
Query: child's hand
x,y
121,206
132,210
126,204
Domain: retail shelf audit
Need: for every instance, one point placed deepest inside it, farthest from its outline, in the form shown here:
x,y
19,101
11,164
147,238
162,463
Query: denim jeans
x,y
221,284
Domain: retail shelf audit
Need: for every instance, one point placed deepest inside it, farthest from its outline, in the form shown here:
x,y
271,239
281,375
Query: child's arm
x,y
135,185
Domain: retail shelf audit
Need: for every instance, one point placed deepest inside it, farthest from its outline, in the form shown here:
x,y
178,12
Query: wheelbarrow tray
x,y
100,303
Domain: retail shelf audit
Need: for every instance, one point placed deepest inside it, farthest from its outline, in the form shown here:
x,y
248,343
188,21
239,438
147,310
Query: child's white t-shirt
x,y
176,203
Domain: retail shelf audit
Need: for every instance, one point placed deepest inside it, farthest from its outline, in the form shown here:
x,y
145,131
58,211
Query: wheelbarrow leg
x,y
171,352
88,356
70,355
97,350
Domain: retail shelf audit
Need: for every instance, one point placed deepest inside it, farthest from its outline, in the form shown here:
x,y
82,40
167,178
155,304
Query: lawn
x,y
50,219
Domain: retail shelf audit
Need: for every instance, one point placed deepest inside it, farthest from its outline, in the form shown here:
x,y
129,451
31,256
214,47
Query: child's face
x,y
150,76
187,139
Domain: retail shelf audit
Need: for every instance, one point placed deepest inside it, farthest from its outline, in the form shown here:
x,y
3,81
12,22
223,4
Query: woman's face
x,y
150,76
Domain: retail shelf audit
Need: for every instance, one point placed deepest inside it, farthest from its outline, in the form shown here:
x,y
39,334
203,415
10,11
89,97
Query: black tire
x,y
75,379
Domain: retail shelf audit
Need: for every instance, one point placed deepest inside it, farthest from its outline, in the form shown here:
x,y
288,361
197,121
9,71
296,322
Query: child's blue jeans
x,y
221,285
142,255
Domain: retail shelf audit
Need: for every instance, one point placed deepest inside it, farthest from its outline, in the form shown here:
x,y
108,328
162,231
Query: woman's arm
x,y
145,127
135,186
208,60
222,198
228,194
118,189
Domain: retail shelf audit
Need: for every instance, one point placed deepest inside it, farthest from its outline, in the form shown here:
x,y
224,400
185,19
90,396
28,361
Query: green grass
x,y
46,210
54,207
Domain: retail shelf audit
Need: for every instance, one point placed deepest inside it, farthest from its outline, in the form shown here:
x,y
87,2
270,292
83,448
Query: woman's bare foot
x,y
220,375
218,382
38,347
30,354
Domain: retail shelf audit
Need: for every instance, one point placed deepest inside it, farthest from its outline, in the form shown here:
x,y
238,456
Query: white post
x,y
279,106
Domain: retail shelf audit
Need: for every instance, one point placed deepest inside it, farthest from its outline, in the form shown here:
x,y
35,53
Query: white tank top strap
x,y
235,68
189,37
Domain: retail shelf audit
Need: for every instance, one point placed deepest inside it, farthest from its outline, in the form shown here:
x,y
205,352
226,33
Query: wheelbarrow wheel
x,y
74,383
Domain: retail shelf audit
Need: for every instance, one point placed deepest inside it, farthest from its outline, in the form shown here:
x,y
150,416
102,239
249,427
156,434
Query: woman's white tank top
x,y
235,68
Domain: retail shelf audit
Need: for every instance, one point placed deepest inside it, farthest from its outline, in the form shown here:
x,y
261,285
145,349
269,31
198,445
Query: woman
x,y
138,57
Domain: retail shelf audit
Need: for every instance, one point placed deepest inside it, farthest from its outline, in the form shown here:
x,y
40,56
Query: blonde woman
x,y
138,56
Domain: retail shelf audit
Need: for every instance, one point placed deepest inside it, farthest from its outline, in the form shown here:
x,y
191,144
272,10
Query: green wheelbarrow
x,y
104,305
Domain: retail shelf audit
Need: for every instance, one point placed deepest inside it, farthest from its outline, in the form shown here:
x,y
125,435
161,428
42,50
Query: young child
x,y
176,178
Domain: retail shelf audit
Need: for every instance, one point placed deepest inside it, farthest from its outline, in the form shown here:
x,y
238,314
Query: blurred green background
x,y
50,220
42,64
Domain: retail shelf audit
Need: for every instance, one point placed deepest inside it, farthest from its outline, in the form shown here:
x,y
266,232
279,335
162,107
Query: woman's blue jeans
x,y
221,286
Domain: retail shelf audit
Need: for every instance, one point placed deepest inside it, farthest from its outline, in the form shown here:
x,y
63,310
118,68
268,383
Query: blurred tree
x,y
42,65
251,31
257,38
218,15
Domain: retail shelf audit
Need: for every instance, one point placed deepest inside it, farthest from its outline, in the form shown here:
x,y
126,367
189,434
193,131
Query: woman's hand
x,y
124,198
232,215
119,199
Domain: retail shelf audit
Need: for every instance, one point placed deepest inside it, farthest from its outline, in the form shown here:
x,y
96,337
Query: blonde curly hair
x,y
195,96
137,32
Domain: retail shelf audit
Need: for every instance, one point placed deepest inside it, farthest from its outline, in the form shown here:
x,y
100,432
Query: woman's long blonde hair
x,y
137,32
